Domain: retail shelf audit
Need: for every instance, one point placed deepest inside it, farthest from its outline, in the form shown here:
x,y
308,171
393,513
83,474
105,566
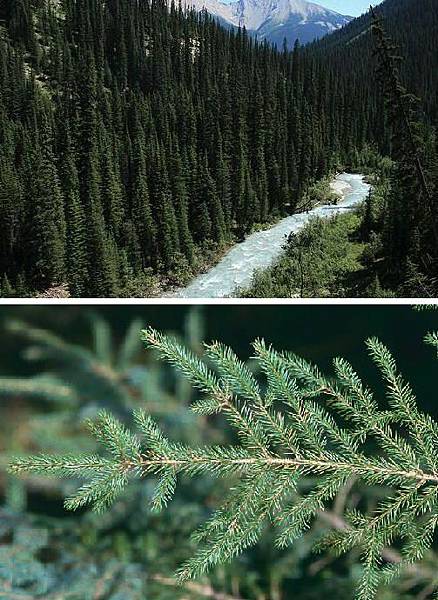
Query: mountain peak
x,y
276,19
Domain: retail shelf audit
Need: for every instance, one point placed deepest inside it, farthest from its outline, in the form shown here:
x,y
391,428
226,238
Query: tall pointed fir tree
x,y
45,209
102,272
11,218
76,239
209,196
199,215
112,195
162,201
181,202
142,217
413,205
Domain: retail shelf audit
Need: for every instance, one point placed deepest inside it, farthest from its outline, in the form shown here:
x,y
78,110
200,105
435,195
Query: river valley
x,y
259,250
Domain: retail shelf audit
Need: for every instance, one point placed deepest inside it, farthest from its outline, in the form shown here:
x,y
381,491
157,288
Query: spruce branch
x,y
296,423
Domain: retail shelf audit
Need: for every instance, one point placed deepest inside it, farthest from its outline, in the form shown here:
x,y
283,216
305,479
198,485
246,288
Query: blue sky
x,y
348,7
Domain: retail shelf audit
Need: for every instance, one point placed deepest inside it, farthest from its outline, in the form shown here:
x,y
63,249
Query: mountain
x,y
276,20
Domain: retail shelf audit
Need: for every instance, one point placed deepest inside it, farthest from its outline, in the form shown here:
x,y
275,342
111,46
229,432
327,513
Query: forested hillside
x,y
413,25
137,143
135,138
401,102
390,62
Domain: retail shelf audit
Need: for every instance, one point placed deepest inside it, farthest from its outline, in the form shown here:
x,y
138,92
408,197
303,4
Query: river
x,y
259,250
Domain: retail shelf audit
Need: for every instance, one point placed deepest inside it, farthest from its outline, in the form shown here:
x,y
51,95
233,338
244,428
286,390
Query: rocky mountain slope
x,y
276,20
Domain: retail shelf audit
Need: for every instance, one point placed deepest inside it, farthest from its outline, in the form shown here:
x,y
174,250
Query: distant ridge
x,y
276,20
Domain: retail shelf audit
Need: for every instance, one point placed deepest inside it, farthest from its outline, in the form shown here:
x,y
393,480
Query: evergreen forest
x,y
139,141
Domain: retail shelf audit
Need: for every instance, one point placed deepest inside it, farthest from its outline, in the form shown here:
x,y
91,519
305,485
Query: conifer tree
x,y
76,242
411,181
5,288
181,202
19,19
141,212
201,189
168,239
112,194
209,197
11,216
222,178
45,205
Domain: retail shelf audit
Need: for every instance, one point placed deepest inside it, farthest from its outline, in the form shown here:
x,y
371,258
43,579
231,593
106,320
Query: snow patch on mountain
x,y
293,18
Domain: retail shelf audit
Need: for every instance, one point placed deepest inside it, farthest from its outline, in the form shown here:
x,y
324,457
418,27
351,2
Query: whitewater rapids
x,y
259,250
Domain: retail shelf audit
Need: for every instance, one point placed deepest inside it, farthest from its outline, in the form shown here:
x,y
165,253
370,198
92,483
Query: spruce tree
x,y
112,193
11,217
6,289
209,197
181,202
45,206
143,221
76,242
411,180
200,219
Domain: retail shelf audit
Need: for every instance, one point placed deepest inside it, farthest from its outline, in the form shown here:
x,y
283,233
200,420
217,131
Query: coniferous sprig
x,y
297,423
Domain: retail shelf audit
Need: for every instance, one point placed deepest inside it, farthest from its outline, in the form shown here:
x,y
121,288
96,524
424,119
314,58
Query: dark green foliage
x,y
131,137
402,47
137,137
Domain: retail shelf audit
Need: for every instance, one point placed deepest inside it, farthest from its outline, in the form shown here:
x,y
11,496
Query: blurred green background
x,y
315,332
60,364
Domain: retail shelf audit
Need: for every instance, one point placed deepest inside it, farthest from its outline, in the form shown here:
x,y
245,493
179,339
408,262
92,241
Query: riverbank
x,y
324,260
260,249
343,257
